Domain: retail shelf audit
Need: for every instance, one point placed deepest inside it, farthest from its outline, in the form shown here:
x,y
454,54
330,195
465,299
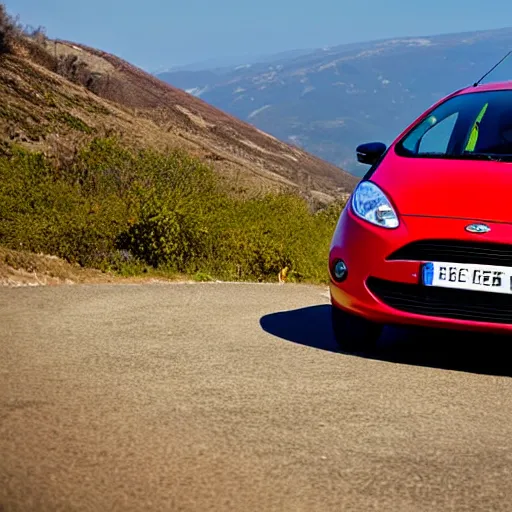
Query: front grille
x,y
443,302
455,251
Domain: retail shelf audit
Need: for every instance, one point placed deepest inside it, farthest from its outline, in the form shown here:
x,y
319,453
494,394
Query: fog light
x,y
339,270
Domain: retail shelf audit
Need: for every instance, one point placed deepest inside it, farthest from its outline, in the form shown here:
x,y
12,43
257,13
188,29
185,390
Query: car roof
x,y
493,86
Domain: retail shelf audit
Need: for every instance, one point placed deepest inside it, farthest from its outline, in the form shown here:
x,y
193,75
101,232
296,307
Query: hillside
x,y
330,100
81,92
105,168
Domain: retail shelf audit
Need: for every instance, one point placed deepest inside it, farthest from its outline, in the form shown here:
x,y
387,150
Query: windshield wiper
x,y
463,156
484,156
493,157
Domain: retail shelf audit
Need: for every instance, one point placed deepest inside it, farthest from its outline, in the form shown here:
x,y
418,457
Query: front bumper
x,y
388,290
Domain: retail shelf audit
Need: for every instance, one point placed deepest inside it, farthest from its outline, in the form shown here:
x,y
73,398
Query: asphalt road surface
x,y
199,397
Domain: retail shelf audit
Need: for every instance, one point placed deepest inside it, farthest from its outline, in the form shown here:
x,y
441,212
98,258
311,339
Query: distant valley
x,y
327,101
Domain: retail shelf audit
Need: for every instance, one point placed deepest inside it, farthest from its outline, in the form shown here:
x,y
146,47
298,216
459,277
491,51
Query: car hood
x,y
468,189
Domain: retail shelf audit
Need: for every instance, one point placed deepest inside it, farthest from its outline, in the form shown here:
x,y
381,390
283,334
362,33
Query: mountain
x,y
328,101
231,62
55,93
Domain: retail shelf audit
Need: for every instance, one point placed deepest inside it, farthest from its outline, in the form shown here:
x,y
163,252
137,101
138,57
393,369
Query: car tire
x,y
354,333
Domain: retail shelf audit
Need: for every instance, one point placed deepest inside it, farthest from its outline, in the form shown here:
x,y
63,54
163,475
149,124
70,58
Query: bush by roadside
x,y
129,211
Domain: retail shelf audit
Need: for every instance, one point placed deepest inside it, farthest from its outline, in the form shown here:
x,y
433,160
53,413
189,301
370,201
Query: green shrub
x,y
41,212
165,236
124,211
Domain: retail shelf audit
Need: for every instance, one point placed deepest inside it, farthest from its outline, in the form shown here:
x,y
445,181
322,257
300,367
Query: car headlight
x,y
371,204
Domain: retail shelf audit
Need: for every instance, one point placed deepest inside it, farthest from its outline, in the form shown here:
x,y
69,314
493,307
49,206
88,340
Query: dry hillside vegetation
x,y
57,99
107,168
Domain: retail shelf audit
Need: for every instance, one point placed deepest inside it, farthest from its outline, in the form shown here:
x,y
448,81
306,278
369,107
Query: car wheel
x,y
354,333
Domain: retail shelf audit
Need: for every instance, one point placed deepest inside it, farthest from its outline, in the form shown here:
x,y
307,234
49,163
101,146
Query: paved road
x,y
199,397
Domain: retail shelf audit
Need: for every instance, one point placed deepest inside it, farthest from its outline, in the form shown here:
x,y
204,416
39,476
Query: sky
x,y
156,34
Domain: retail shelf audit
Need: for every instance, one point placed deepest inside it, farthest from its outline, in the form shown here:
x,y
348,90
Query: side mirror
x,y
370,152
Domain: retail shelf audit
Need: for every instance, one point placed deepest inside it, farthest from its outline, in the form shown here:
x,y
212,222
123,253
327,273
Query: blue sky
x,y
155,33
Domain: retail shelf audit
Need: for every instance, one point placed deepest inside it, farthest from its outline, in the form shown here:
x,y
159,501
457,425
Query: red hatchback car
x,y
426,237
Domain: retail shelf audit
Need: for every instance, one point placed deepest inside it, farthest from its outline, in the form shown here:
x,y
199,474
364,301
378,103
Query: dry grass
x,y
21,268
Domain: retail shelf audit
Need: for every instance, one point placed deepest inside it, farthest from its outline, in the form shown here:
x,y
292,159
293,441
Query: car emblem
x,y
478,228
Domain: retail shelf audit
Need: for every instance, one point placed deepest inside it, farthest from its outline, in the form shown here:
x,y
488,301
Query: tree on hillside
x,y
11,29
7,29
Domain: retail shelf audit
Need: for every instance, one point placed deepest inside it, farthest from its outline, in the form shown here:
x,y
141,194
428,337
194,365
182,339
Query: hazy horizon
x,y
168,36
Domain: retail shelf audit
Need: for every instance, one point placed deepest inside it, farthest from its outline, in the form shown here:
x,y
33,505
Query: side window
x,y
437,138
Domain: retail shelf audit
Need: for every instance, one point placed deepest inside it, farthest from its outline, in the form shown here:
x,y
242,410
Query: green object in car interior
x,y
470,146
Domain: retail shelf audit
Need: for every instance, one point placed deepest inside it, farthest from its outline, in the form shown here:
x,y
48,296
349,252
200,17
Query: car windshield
x,y
476,126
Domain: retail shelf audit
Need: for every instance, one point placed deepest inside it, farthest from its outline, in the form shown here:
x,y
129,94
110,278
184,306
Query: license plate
x,y
484,278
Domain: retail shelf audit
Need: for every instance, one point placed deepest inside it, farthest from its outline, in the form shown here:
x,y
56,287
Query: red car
x,y
426,237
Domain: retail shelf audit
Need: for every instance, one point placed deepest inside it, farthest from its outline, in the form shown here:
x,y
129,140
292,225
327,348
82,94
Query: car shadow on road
x,y
435,348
